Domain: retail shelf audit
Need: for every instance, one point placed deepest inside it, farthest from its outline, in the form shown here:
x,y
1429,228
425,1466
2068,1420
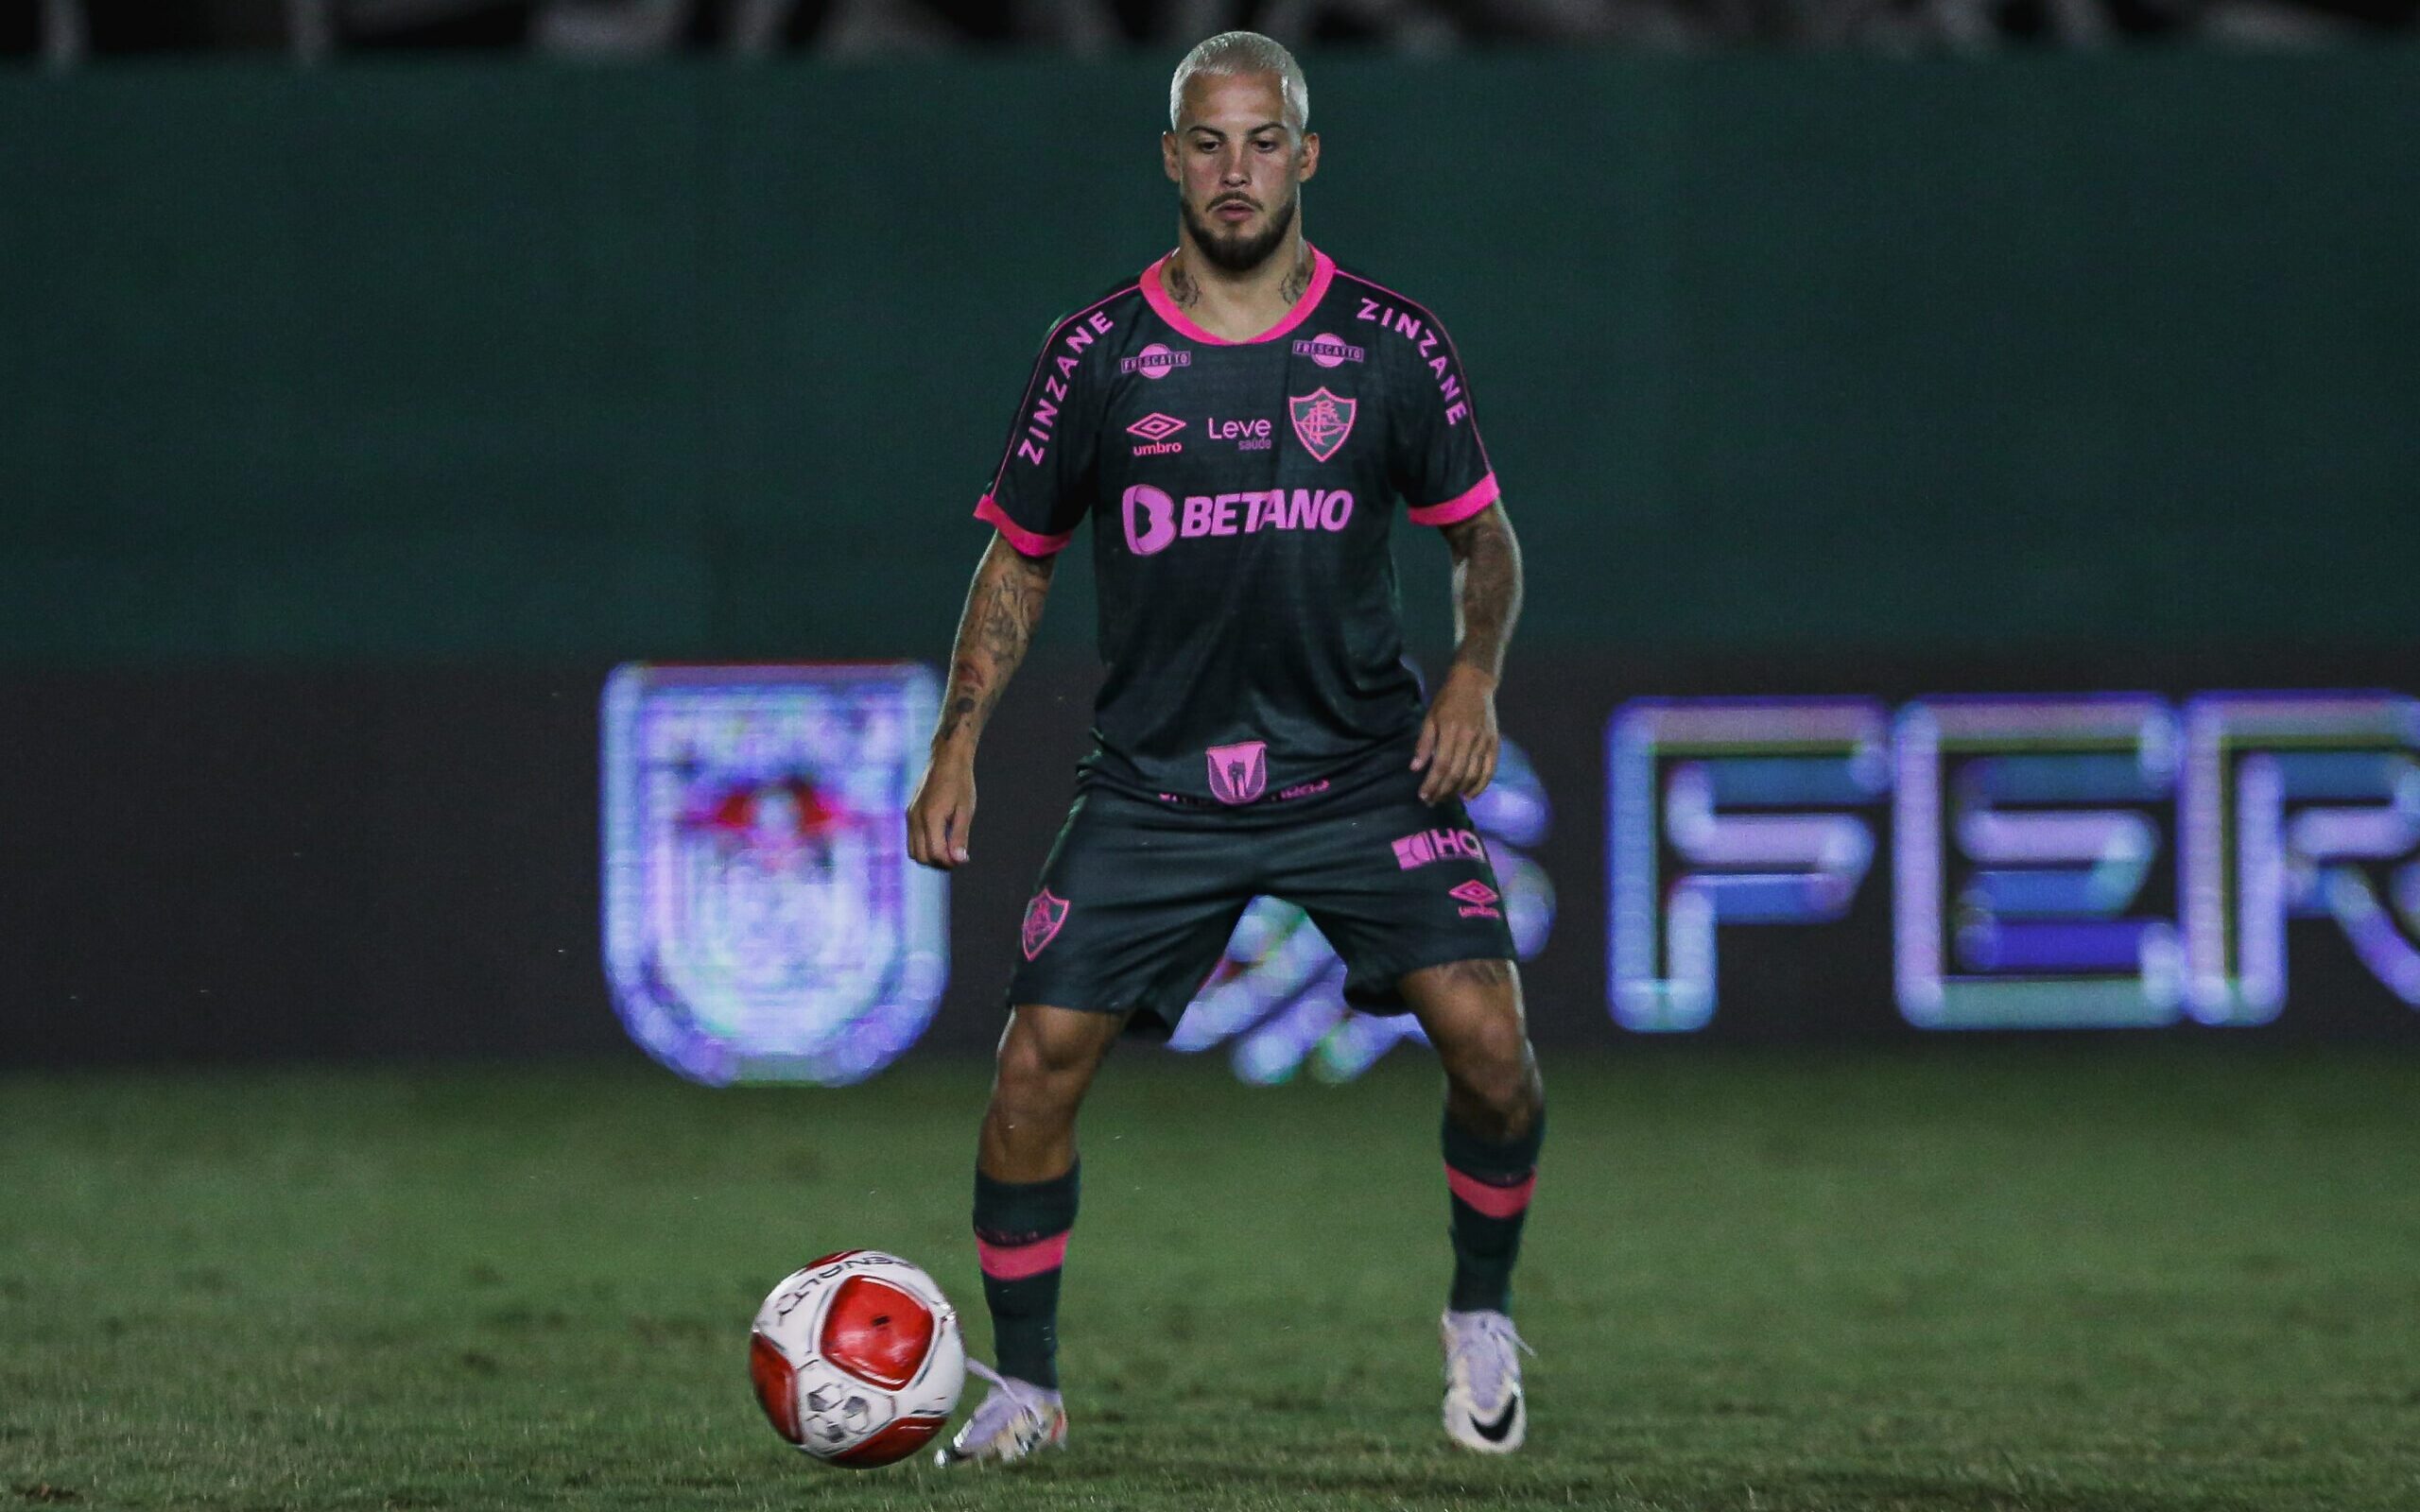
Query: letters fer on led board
x,y
2084,861
763,921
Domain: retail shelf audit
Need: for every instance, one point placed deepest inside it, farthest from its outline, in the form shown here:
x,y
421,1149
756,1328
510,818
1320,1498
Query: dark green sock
x,y
1020,1236
1490,1182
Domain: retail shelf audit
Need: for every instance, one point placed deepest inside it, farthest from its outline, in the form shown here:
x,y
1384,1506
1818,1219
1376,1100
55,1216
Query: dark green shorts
x,y
1140,895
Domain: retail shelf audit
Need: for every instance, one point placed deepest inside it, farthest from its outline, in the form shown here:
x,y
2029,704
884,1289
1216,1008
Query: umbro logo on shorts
x,y
1479,899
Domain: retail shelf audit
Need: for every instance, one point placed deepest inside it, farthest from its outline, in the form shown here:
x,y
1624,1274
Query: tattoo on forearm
x,y
1487,588
1002,609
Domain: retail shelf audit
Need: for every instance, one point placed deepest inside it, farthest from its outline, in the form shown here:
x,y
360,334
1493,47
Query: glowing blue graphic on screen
x,y
2026,831
1726,787
2032,842
2298,805
763,921
1277,998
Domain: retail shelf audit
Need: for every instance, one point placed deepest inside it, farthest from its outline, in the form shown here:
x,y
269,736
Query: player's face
x,y
1238,167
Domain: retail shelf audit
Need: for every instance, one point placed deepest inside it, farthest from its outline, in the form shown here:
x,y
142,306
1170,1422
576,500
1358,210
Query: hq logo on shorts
x,y
762,919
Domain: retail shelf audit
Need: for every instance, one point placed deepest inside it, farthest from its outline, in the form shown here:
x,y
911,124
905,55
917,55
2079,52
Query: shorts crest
x,y
1042,918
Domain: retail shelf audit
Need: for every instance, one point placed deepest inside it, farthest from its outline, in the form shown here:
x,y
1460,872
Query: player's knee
x,y
1495,1071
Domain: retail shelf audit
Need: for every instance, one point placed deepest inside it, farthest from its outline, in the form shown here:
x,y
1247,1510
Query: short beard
x,y
1236,253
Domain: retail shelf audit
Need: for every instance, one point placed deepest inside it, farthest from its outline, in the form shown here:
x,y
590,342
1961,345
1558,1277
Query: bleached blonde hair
x,y
1245,52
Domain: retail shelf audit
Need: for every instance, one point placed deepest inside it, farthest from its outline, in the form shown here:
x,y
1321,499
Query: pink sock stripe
x,y
1031,543
1496,1202
1460,508
1014,1262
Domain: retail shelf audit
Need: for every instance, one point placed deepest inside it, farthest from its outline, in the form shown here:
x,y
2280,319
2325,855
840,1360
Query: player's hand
x,y
943,812
1458,741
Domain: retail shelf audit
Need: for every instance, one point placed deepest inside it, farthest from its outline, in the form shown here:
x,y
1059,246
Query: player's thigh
x,y
1134,907
1398,886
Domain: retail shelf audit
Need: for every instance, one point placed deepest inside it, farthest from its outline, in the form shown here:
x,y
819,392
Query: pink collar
x,y
1322,269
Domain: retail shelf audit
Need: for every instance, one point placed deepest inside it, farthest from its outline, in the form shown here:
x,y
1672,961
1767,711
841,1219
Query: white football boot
x,y
1016,1419
1485,1408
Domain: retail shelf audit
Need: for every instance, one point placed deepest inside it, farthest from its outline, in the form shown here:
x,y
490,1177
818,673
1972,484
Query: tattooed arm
x,y
1458,742
1002,609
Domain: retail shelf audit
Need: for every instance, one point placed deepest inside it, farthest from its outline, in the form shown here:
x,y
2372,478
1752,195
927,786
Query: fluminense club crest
x,y
1042,918
1322,420
762,919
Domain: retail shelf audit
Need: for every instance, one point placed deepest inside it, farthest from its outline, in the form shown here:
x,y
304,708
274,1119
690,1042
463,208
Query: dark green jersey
x,y
1241,496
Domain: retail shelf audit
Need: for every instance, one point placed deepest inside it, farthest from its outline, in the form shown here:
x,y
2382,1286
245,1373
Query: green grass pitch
x,y
2077,1279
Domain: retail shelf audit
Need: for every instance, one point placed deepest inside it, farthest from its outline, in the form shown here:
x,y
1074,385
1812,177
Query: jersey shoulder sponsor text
x,y
1438,461
1043,486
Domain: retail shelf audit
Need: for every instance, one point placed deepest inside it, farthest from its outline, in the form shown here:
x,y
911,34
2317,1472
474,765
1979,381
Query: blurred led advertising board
x,y
763,921
2090,861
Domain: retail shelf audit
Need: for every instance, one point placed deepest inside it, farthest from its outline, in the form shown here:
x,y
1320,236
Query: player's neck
x,y
1237,307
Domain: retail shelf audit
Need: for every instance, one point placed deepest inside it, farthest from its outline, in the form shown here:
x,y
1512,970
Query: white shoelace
x,y
1487,1340
1008,1398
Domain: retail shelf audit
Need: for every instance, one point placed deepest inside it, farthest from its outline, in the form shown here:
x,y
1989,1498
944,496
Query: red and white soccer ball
x,y
858,1358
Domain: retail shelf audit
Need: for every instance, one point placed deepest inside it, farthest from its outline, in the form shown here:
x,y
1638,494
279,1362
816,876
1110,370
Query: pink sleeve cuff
x,y
1031,542
1460,507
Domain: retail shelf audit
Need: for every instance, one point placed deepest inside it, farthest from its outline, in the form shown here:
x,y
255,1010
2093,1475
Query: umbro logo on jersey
x,y
1155,361
1155,429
